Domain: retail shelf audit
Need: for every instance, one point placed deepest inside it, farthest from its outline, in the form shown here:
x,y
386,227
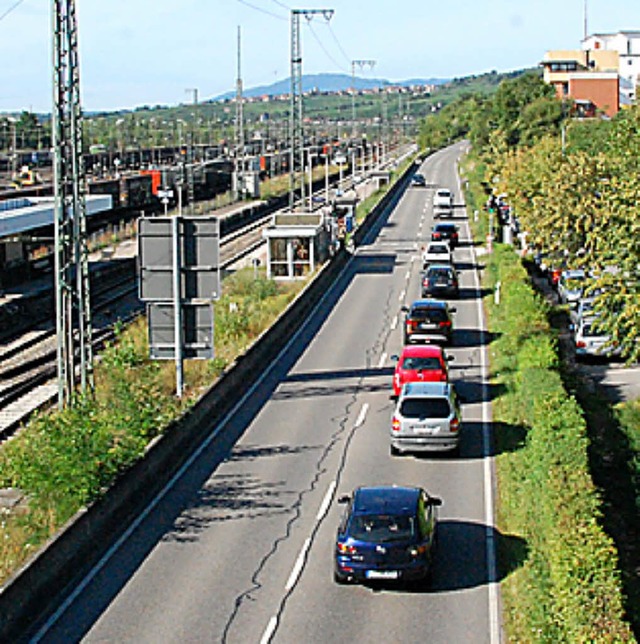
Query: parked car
x,y
428,321
427,418
420,363
583,309
437,251
445,231
387,533
591,341
440,280
418,180
571,285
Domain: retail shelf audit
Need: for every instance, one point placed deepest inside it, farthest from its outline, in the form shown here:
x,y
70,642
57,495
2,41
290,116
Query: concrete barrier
x,y
37,588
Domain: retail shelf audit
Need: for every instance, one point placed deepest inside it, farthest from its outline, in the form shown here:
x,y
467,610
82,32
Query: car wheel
x,y
339,579
393,450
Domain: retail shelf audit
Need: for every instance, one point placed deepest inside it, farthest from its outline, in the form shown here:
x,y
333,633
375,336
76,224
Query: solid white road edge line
x,y
394,323
297,568
383,359
269,631
324,506
401,296
407,275
494,610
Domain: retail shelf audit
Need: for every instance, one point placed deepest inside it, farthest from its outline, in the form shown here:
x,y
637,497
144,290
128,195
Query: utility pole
x,y
239,160
296,132
190,161
71,260
361,65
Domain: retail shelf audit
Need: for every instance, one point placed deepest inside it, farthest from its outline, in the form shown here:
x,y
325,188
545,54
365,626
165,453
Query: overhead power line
x,y
10,9
261,10
324,49
335,38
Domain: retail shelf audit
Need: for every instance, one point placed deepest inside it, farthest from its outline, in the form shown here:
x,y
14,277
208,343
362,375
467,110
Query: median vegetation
x,y
569,588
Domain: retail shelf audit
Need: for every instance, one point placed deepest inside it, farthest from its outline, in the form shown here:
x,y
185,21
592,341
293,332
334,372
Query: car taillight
x,y
345,549
454,425
417,551
395,425
411,324
443,377
581,344
445,323
435,236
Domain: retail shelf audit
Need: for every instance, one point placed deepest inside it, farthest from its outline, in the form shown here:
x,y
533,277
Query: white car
x,y
437,252
443,203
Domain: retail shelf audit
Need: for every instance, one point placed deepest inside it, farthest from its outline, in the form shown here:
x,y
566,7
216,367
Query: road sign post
x,y
179,277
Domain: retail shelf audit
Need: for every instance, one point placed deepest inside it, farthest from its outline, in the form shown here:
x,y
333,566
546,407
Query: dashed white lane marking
x,y
269,631
362,415
324,506
383,359
402,294
394,323
407,275
297,568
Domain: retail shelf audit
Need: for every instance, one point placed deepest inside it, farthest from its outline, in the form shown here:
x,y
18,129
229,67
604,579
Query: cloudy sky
x,y
149,52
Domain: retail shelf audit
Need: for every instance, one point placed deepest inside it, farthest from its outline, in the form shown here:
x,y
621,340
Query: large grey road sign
x,y
199,250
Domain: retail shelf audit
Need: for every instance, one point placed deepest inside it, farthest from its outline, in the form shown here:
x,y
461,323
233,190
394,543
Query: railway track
x,y
28,361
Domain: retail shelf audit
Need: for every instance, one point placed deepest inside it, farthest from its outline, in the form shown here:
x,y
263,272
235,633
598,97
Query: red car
x,y
420,363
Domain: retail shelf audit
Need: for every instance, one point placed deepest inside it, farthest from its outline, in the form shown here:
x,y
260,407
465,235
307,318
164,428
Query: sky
x,y
154,52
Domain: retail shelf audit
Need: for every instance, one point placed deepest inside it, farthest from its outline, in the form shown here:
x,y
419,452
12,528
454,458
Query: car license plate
x,y
381,574
427,326
425,429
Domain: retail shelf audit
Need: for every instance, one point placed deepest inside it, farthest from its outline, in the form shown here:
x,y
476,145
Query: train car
x,y
107,187
138,191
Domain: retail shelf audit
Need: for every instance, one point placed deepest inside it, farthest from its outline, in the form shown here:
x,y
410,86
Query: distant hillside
x,y
328,83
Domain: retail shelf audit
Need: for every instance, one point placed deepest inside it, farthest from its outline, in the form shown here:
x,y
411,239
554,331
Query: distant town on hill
x,y
330,83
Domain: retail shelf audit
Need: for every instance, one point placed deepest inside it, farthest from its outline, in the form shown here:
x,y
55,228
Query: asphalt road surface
x,y
240,547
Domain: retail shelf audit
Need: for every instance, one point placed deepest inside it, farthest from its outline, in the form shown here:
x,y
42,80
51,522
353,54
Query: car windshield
x,y
425,408
444,228
382,528
574,284
418,363
443,193
432,315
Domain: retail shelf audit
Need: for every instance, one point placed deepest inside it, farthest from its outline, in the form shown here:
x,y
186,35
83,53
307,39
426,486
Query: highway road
x,y
239,548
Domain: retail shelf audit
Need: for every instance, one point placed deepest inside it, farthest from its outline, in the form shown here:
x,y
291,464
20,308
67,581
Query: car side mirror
x,y
405,309
395,358
450,359
453,309
435,501
345,498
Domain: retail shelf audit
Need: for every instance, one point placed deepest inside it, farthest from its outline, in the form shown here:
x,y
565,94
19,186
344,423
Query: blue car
x,y
386,534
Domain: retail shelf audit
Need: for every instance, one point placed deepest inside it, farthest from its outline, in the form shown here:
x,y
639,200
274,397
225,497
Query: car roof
x,y
430,304
385,500
417,350
424,390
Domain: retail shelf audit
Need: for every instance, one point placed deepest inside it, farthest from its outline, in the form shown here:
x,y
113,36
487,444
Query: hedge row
x,y
569,588
629,418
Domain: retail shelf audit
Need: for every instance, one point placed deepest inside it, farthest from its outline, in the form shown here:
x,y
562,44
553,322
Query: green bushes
x,y
569,589
629,418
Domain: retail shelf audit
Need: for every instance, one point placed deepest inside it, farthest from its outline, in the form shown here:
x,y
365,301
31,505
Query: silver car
x,y
591,341
427,418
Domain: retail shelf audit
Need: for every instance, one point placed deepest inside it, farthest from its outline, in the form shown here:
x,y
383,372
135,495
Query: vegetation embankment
x,y
575,206
569,588
64,460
